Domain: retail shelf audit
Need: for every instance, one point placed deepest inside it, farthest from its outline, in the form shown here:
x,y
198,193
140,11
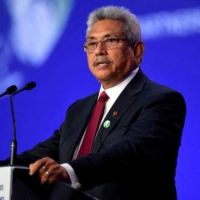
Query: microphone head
x,y
11,89
30,86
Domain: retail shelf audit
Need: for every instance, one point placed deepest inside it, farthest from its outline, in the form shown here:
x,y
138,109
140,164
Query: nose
x,y
101,49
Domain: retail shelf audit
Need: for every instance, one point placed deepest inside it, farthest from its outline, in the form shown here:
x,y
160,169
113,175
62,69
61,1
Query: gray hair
x,y
131,25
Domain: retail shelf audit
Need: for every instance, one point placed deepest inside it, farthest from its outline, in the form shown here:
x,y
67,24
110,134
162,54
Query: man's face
x,y
110,66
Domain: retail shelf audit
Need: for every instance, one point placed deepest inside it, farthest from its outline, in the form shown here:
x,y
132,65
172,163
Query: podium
x,y
16,184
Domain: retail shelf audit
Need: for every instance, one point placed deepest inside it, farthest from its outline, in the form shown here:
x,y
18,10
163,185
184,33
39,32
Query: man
x,y
135,149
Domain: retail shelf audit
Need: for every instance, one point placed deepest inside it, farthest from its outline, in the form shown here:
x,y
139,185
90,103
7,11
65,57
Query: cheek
x,y
124,57
90,62
118,55
117,59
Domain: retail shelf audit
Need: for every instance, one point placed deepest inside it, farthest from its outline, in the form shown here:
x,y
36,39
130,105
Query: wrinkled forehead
x,y
106,28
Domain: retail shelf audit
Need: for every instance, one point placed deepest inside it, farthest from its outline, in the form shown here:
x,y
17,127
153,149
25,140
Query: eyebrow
x,y
105,36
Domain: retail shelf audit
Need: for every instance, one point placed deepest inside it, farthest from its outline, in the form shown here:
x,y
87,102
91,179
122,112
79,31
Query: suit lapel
x,y
87,110
124,101
75,133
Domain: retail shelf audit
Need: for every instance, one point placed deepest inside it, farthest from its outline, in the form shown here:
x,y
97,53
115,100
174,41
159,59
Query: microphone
x,y
28,86
9,90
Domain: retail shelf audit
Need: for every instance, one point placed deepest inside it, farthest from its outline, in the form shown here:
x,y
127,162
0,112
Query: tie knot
x,y
103,96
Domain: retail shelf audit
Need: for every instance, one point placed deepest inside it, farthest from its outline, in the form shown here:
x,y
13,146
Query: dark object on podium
x,y
27,187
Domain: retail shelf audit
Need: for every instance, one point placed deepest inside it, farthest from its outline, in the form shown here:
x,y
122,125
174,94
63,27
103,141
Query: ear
x,y
138,49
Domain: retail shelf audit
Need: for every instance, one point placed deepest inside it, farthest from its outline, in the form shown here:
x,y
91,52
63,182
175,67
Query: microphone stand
x,y
14,141
28,86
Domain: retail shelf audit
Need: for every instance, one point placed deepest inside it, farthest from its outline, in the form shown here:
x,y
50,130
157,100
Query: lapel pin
x,y
106,124
115,113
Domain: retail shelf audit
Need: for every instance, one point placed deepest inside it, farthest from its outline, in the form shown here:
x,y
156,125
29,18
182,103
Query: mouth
x,y
102,63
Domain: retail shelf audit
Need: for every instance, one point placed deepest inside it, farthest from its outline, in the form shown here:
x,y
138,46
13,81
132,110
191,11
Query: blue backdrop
x,y
41,41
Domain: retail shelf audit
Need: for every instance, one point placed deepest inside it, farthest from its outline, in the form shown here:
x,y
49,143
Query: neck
x,y
110,83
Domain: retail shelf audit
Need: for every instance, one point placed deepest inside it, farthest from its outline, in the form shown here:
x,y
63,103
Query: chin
x,y
103,78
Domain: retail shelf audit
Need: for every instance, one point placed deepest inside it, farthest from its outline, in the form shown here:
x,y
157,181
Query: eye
x,y
91,43
111,40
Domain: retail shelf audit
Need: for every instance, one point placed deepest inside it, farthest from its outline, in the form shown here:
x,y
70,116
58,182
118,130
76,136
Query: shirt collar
x,y
117,89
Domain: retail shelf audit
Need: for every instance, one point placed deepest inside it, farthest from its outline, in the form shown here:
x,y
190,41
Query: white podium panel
x,y
6,180
16,184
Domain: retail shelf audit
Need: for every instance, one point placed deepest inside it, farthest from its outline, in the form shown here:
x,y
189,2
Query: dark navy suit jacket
x,y
136,156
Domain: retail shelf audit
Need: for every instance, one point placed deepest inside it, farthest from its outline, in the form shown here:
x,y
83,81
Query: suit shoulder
x,y
85,100
159,88
155,90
